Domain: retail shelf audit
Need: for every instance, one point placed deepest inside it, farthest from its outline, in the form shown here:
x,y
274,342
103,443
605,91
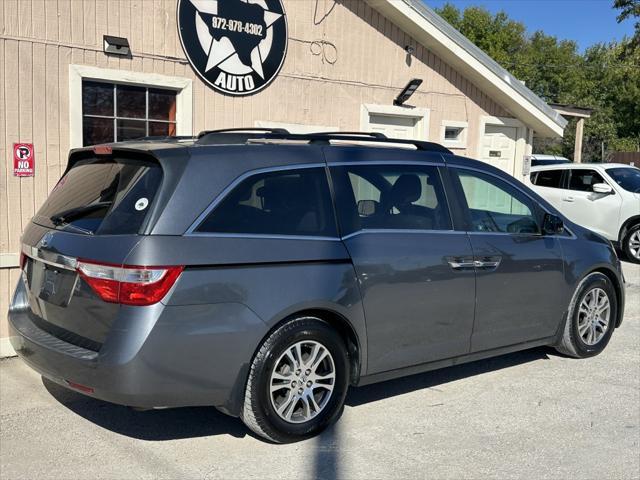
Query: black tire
x,y
259,413
572,343
631,232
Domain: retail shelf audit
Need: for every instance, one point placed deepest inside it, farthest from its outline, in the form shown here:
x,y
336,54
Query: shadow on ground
x,y
159,425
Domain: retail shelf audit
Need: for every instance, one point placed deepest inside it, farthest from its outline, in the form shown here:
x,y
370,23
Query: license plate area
x,y
50,283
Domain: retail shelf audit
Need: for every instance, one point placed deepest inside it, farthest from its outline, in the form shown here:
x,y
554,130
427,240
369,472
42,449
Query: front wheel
x,y
631,244
591,317
298,381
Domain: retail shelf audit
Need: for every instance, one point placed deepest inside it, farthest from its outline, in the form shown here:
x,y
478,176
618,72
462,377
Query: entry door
x,y
520,289
499,147
394,126
395,224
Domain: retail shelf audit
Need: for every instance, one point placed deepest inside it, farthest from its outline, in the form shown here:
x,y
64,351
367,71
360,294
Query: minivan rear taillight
x,y
128,285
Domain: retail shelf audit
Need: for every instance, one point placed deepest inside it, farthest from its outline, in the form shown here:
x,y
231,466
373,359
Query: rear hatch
x,y
74,250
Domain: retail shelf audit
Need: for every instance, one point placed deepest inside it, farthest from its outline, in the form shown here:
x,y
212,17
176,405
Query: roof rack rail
x,y
351,134
244,130
237,136
326,138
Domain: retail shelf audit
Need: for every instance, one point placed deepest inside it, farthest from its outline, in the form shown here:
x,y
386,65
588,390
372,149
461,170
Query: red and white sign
x,y
24,160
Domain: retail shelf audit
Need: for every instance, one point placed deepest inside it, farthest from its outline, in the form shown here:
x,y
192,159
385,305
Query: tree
x,y
606,77
629,9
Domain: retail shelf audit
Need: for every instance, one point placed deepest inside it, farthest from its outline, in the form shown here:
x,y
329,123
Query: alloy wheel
x,y
634,244
302,381
593,316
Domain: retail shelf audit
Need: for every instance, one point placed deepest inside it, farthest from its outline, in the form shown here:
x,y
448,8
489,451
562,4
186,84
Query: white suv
x,y
604,197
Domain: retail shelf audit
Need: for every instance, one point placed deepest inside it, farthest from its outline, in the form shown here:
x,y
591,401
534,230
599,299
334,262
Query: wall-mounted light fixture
x,y
116,46
407,91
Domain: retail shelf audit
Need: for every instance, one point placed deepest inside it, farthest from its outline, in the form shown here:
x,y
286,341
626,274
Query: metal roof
x,y
554,120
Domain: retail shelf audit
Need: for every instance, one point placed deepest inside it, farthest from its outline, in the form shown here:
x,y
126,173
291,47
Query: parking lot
x,y
533,414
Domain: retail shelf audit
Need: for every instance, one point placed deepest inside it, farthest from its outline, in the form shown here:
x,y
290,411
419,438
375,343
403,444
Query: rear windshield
x,y
106,198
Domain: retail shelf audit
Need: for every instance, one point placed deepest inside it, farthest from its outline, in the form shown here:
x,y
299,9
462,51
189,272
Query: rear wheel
x,y
297,382
591,317
631,243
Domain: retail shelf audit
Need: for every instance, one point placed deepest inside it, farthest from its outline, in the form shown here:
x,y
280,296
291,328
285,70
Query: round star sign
x,y
236,46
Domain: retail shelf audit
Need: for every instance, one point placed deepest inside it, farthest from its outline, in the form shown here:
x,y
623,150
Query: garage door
x,y
394,126
499,147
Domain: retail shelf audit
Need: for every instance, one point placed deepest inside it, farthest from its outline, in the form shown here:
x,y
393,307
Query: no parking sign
x,y
24,160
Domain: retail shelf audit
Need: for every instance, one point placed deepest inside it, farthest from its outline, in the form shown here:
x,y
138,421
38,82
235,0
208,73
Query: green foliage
x,y
629,9
606,77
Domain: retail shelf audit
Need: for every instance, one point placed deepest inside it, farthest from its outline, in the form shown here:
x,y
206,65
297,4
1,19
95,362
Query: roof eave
x,y
436,34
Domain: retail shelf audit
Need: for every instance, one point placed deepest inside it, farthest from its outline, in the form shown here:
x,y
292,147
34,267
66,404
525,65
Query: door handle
x,y
568,199
487,263
461,263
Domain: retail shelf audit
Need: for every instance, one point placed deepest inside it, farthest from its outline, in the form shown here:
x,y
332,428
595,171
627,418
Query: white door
x,y
395,126
596,211
499,147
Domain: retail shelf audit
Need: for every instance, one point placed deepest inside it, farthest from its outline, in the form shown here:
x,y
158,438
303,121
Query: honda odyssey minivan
x,y
264,273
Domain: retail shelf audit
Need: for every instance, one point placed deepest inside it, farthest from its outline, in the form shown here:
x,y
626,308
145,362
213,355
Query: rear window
x,y
547,178
291,202
105,198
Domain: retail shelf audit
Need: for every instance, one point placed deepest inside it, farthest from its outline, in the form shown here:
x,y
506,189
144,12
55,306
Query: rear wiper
x,y
71,226
64,217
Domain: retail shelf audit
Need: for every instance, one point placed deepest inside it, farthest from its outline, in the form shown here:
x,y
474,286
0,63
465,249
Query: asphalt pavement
x,y
532,414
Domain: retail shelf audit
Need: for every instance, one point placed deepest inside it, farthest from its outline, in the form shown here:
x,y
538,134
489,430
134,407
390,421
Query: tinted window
x,y
547,178
390,197
627,178
584,180
496,206
292,202
102,197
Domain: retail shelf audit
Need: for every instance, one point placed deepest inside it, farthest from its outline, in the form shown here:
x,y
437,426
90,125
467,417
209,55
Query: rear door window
x,y
106,198
289,202
547,178
390,197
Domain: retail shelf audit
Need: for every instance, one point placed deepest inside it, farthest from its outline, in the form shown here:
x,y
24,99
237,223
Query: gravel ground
x,y
532,414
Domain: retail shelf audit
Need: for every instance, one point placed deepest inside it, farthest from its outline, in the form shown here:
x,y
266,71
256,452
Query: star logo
x,y
236,46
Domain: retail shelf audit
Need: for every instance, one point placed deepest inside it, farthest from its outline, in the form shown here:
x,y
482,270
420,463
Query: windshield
x,y
97,197
627,178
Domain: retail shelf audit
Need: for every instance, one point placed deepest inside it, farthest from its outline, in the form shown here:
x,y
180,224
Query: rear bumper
x,y
158,356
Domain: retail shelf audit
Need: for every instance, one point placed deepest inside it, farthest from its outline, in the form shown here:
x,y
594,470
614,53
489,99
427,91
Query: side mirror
x,y
552,224
602,188
366,208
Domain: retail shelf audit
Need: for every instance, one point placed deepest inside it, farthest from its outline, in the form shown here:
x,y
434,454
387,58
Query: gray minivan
x,y
264,273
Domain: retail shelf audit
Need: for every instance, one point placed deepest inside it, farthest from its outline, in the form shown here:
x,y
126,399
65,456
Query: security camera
x,y
409,49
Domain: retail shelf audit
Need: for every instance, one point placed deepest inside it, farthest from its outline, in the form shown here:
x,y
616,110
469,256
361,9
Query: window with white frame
x,y
107,105
114,112
454,134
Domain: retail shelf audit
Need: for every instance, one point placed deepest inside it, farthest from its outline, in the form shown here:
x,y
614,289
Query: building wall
x,y
341,55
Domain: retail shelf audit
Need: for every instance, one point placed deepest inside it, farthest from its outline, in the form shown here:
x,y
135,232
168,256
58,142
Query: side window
x,y
584,180
291,202
496,206
406,197
547,178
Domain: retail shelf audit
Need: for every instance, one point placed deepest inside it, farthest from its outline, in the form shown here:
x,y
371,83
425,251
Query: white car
x,y
604,197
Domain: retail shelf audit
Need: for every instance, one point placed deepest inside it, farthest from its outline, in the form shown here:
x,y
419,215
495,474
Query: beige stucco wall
x,y
39,39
